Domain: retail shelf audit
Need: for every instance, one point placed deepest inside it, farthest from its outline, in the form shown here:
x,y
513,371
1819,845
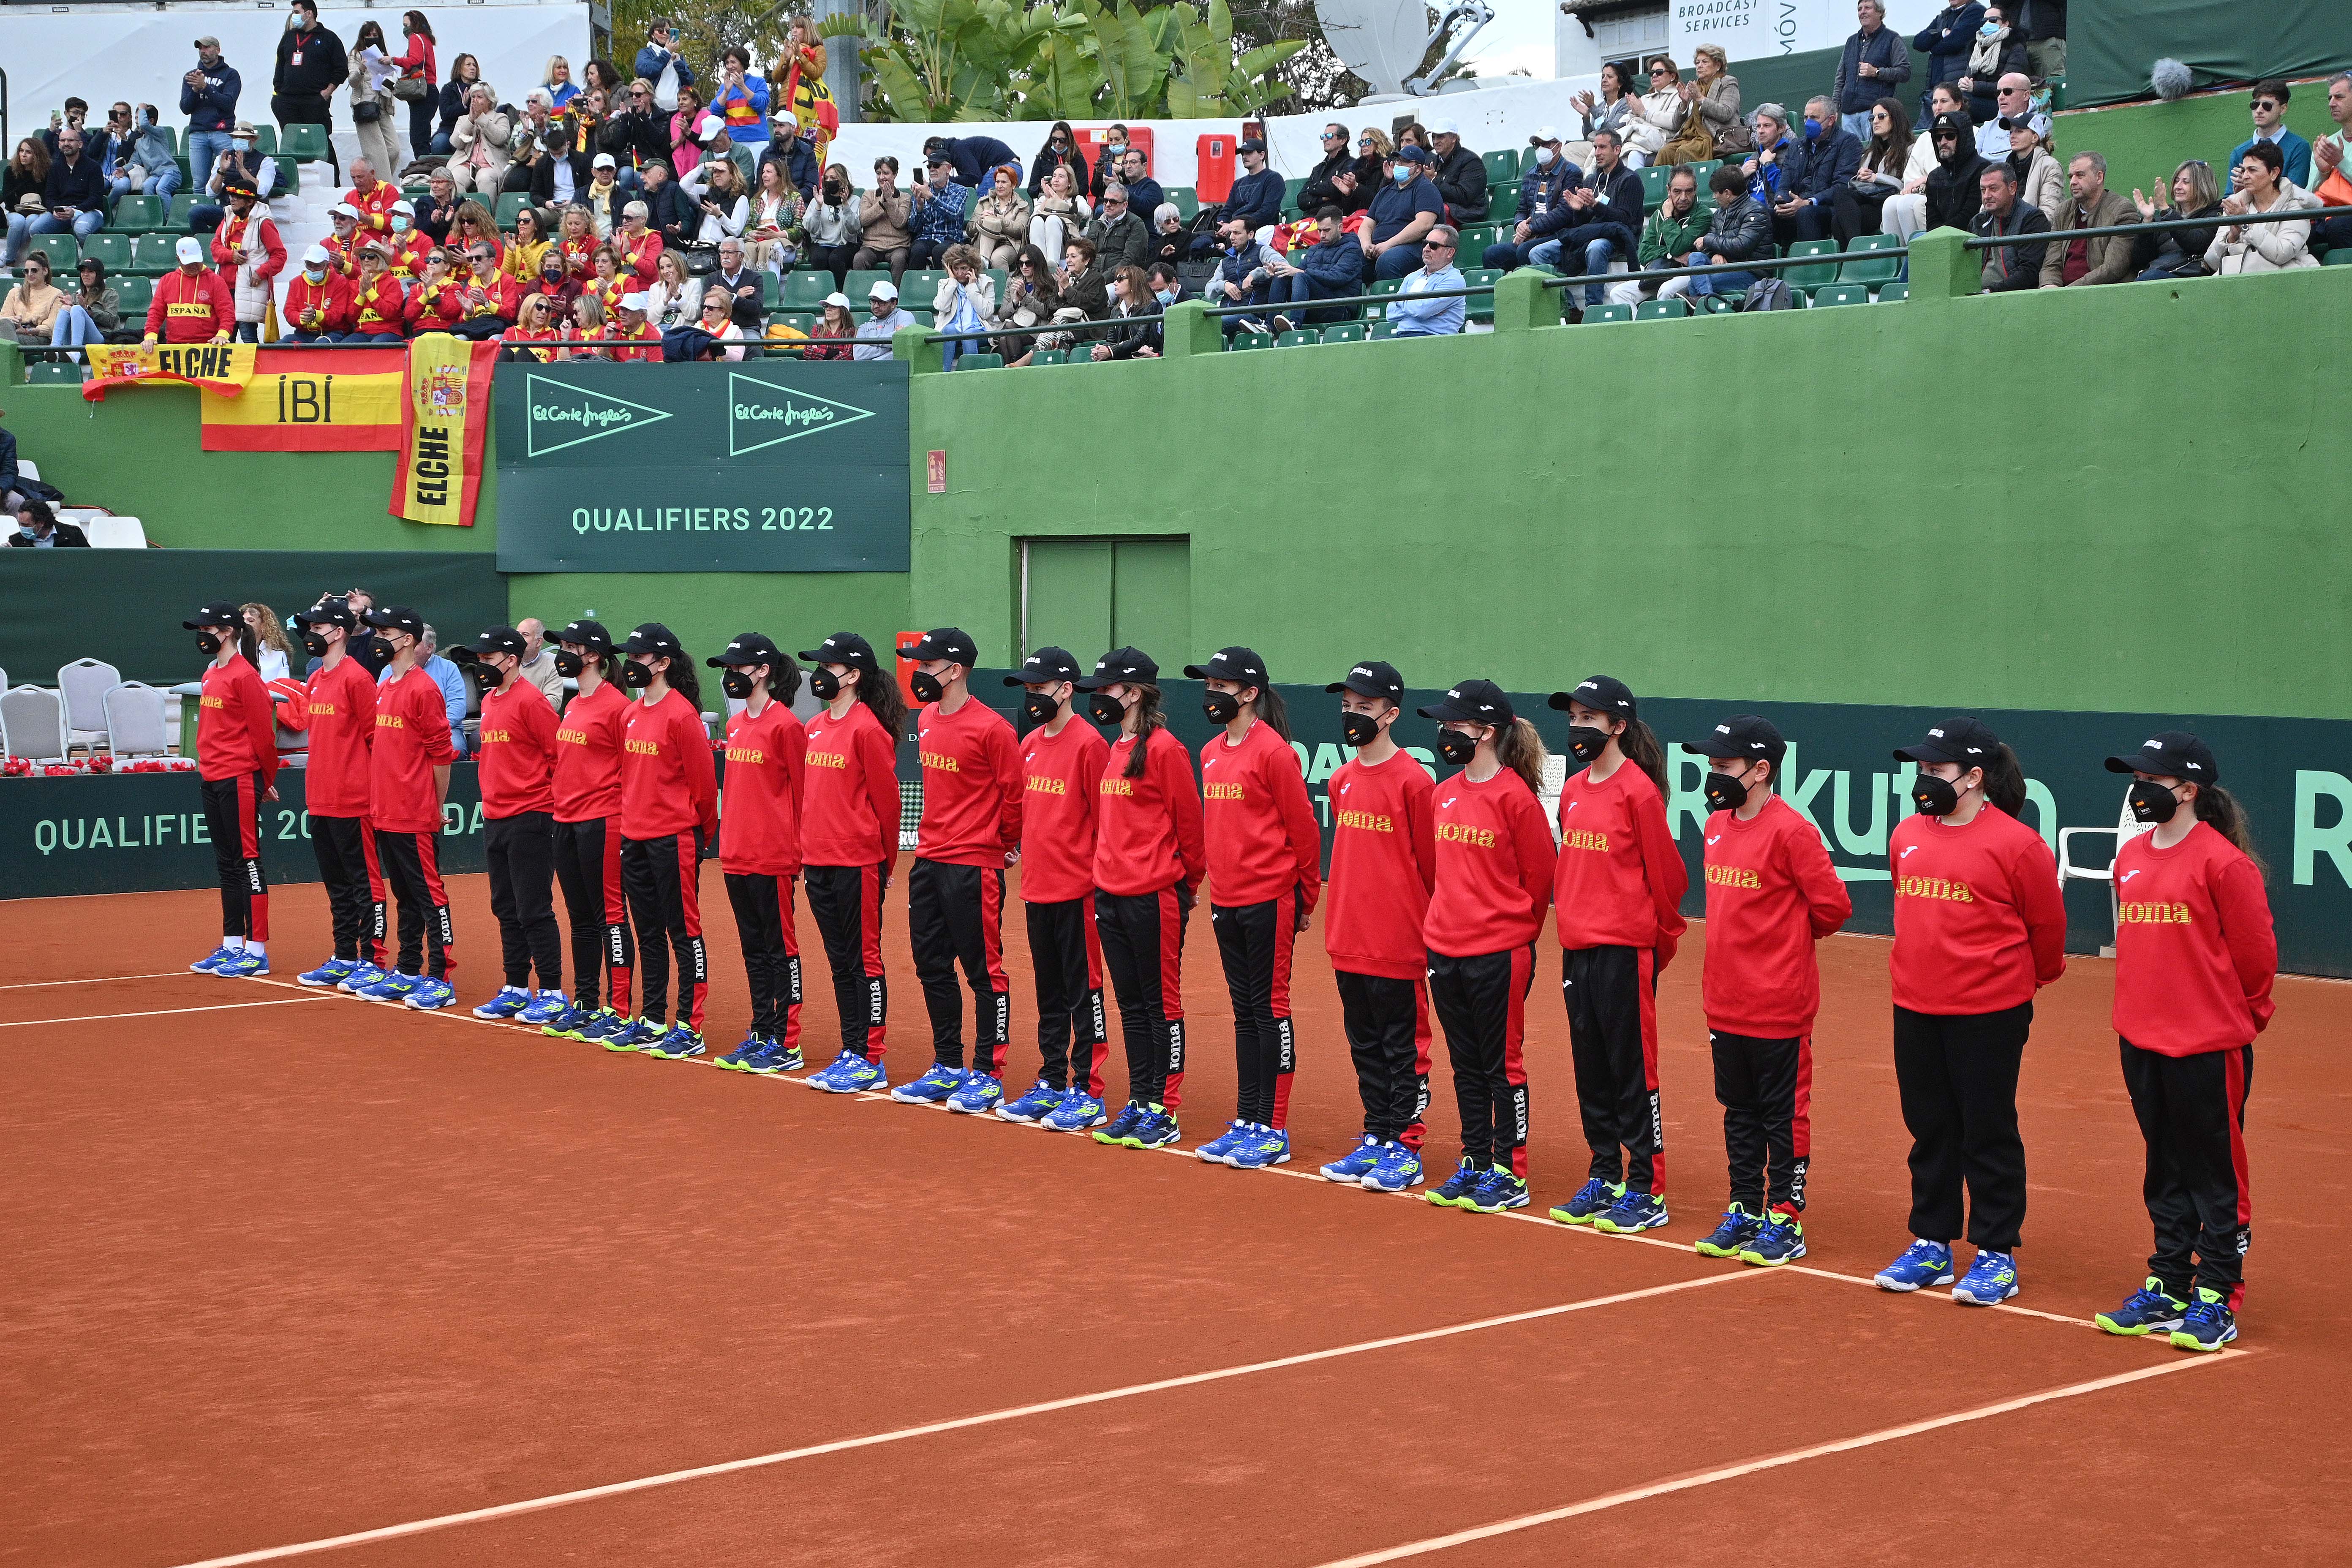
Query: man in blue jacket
x,y
1599,219
1544,184
1876,62
1330,268
1256,196
2270,115
1814,172
1144,195
972,158
1946,40
657,56
788,147
208,97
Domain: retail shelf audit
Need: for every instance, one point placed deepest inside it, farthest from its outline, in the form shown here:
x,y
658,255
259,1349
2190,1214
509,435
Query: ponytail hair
x,y
1148,717
880,695
784,679
2004,780
2220,809
1519,748
248,645
683,680
1640,744
1273,712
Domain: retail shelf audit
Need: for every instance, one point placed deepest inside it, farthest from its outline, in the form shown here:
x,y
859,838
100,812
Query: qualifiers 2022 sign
x,y
761,466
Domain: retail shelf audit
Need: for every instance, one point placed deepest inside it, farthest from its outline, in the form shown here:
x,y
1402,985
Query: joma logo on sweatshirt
x,y
1942,887
1369,822
389,721
569,737
318,709
1579,839
2157,913
1733,877
942,762
828,760
642,748
1222,791
1456,833
752,754
499,737
1040,784
210,702
1118,786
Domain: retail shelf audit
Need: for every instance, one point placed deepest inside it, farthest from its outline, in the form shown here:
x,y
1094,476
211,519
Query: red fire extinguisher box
x,y
1213,181
1090,142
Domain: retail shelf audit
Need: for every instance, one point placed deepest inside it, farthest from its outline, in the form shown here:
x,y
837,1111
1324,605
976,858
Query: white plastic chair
x,y
134,720
111,533
83,684
29,468
2126,828
32,724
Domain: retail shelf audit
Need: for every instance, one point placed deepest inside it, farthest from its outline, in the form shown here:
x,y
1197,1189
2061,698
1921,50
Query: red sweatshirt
x,y
1622,879
972,786
228,245
342,728
1259,824
412,738
761,824
237,731
849,807
1148,829
332,299
1060,774
1494,865
667,782
518,740
1384,863
1978,924
588,755
2195,955
1772,893
381,307
191,309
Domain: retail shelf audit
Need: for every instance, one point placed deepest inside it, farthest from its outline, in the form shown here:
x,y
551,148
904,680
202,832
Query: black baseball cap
x,y
1120,666
1957,124
397,618
1963,740
747,650
497,639
952,644
590,635
845,648
1045,667
1251,145
2171,755
1238,665
1745,737
219,612
331,611
1471,702
654,639
1371,679
1602,693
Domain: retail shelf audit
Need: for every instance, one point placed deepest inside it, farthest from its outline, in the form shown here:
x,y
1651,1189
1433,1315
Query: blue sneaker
x,y
1120,1125
358,980
1592,1200
1633,1212
1781,1240
243,964
677,1042
1399,1171
214,958
544,1009
978,1094
393,987
1156,1129
2208,1325
431,996
1215,1150
1031,1109
1497,1190
2150,1309
735,1060
853,1074
1264,1146
1991,1281
1078,1112
565,1025
773,1057
634,1036
1923,1263
599,1027
1459,1187
508,1002
1737,1229
1353,1166
937,1081
330,974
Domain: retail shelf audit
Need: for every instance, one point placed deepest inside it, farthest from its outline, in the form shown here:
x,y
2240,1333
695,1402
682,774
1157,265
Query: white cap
x,y
837,299
315,257
404,206
784,117
190,248
344,209
1442,126
712,129
883,290
604,160
633,302
1544,134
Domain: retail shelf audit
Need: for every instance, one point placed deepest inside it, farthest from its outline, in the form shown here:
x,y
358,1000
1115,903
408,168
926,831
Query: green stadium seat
x,y
111,251
919,288
1805,279
1050,356
510,206
135,295
861,285
1187,200
1477,238
183,207
1344,332
136,215
1290,189
171,137
1862,267
980,362
64,251
1717,305
1703,171
1655,310
1502,203
1250,341
771,296
1004,282
2339,257
152,254
806,290
62,373
1299,338
1894,293
1841,294
1379,330
803,320
1654,185
1611,313
1481,306
304,141
1503,169
922,316
289,176
265,136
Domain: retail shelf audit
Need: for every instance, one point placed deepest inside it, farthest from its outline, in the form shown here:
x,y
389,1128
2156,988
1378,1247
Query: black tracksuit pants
x,y
1066,955
846,901
1765,1090
2192,1112
1613,1036
522,853
1386,1020
955,914
771,953
1143,947
1482,1004
596,908
412,873
1254,941
339,846
1957,1076
233,818
664,879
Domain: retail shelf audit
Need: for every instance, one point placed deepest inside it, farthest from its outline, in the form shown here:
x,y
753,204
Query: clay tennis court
x,y
289,1275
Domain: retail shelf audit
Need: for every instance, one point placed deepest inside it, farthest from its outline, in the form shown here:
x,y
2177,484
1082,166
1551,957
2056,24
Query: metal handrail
x,y
2152,226
1318,303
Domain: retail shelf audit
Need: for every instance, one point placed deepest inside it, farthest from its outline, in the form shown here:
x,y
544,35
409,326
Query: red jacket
x,y
1148,831
650,353
1620,880
381,307
236,732
588,755
229,240
408,256
1772,893
1494,866
667,782
341,732
760,821
1059,776
1258,823
972,786
2195,952
435,307
518,751
412,739
191,309
1383,864
849,804
1978,924
343,257
375,206
332,299
502,297
641,254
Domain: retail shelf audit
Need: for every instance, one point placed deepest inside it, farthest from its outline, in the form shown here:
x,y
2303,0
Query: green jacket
x,y
1667,239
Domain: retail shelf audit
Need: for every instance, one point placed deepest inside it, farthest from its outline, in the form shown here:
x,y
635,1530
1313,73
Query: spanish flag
x,y
312,400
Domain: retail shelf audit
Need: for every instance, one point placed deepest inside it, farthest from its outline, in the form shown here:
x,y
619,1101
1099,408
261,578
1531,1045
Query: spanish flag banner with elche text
x,y
219,368
444,428
312,400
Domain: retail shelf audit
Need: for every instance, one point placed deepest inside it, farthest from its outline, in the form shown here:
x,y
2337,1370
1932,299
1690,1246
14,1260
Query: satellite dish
x,y
1382,41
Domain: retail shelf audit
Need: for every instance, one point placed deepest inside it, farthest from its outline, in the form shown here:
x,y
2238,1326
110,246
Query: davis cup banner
x,y
761,466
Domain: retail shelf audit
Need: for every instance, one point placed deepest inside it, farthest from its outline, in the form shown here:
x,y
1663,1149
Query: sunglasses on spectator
x,y
2266,103
1660,70
1434,245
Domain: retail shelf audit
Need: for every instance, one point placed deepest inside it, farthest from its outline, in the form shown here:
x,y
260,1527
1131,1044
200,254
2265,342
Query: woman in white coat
x,y
2263,247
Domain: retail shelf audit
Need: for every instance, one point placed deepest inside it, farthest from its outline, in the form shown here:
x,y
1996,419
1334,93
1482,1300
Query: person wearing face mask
x,y
2195,959
1384,863
1148,865
1543,187
1407,207
1771,895
237,770
411,245
408,783
1491,883
587,835
1061,150
517,748
760,846
37,528
1979,928
319,300
969,831
849,845
1265,853
669,814
1062,760
341,728
1619,893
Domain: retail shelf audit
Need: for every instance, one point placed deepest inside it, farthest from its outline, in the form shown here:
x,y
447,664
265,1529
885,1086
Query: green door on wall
x,y
1090,595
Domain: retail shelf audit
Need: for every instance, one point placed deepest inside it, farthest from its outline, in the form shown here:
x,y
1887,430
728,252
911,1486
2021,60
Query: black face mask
x,y
1222,707
1934,796
209,643
635,674
737,683
1587,742
569,665
1456,747
1106,710
2152,802
926,687
1725,792
314,645
824,685
1039,709
1359,729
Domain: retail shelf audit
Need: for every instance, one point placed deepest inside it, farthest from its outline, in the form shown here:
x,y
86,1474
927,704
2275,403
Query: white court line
x,y
159,1012
759,1462
101,979
1776,1461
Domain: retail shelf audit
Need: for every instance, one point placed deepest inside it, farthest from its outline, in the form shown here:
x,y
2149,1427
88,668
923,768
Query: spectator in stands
x,y
1061,150
317,300
530,244
714,326
245,161
523,168
737,279
556,284
1712,126
37,528
2327,160
631,324
1244,275
837,331
249,253
658,57
1672,233
1133,295
561,89
790,150
740,98
670,205
2001,212
1905,213
2012,100
1373,151
1772,169
1655,115
277,653
2040,182
1545,180
1330,268
675,299
2263,247
373,108
95,316
588,324
410,245
1084,287
689,127
191,305
436,303
830,225
969,158
939,205
605,195
1000,219
1998,54
208,95
562,170
1599,218
884,319
22,193
1459,174
636,134
1108,161
30,315
1614,110
884,216
464,72
311,66
1947,40
75,192
1119,233
145,164
1406,209
1858,205
14,486
1143,193
1060,210
965,301
1318,191
2069,263
538,117
76,118
474,225
1826,161
1954,187
2178,252
1256,195
1739,230
637,247
776,214
1875,62
1032,294
489,302
479,144
371,198
380,303
417,65
2269,103
1172,242
1413,316
440,205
